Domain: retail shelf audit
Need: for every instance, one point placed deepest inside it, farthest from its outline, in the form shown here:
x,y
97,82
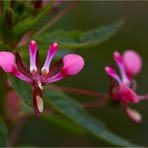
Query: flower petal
x,y
21,67
33,53
118,59
126,94
134,115
22,77
54,78
7,61
132,62
73,64
51,53
111,72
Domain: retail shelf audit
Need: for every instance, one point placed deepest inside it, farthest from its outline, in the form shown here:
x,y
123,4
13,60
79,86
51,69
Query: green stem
x,y
57,17
3,88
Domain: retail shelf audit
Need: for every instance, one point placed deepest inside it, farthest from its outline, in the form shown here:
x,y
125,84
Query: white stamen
x,y
44,71
33,69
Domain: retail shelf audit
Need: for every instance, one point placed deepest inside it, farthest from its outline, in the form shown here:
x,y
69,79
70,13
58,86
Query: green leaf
x,y
3,46
6,4
75,112
3,134
64,123
22,89
25,26
78,39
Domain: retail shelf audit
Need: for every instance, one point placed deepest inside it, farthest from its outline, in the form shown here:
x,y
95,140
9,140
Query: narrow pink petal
x,y
132,62
33,52
7,61
134,115
73,64
55,78
22,77
51,53
144,97
126,94
111,72
118,59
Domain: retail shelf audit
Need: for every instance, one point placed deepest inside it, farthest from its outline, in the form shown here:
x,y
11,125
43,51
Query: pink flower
x,y
122,88
13,103
12,63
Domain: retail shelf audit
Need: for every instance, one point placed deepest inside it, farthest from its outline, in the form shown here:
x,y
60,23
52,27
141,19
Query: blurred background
x,y
133,35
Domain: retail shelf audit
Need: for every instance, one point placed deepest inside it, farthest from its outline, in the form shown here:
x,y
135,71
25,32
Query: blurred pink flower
x,y
122,88
12,63
13,103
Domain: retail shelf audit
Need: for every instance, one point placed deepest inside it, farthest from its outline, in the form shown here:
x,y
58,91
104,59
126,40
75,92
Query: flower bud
x,y
132,61
134,115
7,61
73,64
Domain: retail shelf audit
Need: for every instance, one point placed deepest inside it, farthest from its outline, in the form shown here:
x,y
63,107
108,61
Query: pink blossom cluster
x,y
122,88
70,65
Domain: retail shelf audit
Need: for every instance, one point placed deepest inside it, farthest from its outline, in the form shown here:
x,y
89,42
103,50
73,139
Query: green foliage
x,y
25,26
22,89
75,112
64,123
72,110
19,18
78,39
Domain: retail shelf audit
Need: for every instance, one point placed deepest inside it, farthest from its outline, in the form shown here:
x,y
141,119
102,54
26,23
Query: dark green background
x,y
133,35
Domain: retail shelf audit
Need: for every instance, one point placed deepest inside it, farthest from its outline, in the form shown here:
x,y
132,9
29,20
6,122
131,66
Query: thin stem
x,y
57,17
144,97
15,133
96,103
80,91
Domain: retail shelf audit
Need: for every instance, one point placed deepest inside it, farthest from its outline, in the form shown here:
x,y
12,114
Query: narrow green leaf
x,y
25,26
3,46
72,110
75,112
78,39
9,17
64,123
3,134
6,4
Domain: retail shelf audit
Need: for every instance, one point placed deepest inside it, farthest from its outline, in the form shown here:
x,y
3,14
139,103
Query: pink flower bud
x,y
134,115
73,64
132,62
7,61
